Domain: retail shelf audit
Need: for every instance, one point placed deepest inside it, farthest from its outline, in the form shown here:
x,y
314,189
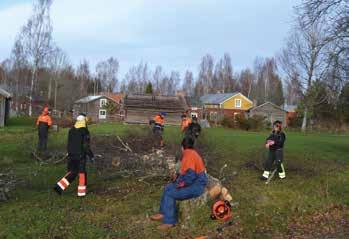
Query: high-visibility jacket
x,y
44,119
192,169
185,124
159,121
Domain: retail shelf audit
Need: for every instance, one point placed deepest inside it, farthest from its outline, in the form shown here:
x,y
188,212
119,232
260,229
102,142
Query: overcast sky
x,y
171,33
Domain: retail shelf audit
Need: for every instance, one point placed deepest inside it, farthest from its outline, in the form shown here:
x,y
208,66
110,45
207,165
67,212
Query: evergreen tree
x,y
149,88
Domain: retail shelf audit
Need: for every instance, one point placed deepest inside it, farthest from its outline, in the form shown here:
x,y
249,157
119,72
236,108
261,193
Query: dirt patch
x,y
332,223
8,183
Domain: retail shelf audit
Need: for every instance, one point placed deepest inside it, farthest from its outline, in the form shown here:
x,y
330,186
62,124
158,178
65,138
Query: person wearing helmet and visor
x,y
275,143
78,151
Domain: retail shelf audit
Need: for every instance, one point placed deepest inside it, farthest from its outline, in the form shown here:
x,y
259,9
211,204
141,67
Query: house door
x,y
102,114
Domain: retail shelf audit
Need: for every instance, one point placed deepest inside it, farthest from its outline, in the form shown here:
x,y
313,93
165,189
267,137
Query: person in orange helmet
x,y
159,124
186,121
43,123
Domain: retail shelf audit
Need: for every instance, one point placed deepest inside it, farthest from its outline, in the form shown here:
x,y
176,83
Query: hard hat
x,y
81,117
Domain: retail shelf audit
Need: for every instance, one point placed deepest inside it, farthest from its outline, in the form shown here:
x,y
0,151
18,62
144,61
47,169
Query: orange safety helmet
x,y
221,210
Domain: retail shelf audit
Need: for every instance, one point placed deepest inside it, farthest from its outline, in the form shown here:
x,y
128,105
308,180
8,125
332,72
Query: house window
x,y
237,103
102,114
102,102
213,116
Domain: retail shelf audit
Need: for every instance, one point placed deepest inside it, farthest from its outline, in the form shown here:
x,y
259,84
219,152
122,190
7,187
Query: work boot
x,y
57,189
165,227
157,217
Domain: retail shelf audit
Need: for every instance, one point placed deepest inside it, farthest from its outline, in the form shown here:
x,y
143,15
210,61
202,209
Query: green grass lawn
x,y
312,202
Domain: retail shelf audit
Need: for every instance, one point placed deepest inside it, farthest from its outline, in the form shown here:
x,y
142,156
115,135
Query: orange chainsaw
x,y
221,210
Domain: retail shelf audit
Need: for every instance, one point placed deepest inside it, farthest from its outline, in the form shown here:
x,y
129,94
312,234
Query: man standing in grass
x,y
275,143
44,122
78,151
186,121
190,183
159,125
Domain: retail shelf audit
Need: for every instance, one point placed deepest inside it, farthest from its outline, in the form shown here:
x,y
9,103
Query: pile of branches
x,y
7,184
49,158
134,156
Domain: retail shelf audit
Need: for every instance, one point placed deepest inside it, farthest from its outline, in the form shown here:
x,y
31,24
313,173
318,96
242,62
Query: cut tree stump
x,y
214,190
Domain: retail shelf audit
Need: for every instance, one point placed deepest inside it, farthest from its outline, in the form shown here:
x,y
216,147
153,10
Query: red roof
x,y
117,97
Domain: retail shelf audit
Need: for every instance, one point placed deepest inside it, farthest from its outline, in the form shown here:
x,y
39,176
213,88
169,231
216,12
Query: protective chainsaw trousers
x,y
275,157
76,167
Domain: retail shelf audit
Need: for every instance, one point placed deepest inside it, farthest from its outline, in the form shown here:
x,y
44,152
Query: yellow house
x,y
216,106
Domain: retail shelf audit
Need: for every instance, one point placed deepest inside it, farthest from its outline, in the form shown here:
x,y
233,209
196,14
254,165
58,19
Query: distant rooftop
x,y
216,99
290,108
88,99
4,93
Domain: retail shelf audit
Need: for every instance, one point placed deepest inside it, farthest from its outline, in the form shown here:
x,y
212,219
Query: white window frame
x,y
102,116
102,102
236,103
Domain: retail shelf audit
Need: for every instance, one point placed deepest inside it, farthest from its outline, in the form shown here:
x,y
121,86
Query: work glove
x,y
180,184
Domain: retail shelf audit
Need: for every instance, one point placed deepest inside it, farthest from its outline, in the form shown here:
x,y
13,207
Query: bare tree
x,y
58,62
157,77
206,73
188,83
293,90
305,55
173,83
83,75
36,40
107,71
246,82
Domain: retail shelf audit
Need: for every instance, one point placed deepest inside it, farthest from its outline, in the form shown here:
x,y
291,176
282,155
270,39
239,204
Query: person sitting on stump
x,y
190,183
78,151
44,122
275,143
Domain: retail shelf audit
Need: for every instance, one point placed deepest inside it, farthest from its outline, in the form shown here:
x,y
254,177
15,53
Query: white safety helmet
x,y
81,118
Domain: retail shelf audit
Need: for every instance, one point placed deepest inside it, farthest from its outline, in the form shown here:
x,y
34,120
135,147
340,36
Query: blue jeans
x,y
171,194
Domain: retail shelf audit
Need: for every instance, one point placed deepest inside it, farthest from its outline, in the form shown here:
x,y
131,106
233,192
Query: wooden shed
x,y
270,111
96,107
5,98
139,109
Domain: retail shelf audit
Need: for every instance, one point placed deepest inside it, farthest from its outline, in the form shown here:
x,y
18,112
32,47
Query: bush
x,y
227,122
241,122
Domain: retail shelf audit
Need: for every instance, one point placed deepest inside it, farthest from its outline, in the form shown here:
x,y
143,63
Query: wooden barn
x,y
5,98
139,109
104,107
271,112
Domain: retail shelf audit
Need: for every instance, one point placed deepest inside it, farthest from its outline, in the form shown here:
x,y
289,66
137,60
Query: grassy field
x,y
313,202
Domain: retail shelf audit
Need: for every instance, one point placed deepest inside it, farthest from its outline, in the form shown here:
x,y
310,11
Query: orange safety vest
x,y
159,120
44,118
192,160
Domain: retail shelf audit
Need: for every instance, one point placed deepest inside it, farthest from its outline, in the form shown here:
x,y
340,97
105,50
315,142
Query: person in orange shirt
x,y
190,183
159,124
185,123
43,123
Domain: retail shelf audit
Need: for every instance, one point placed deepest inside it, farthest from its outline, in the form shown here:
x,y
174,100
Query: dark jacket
x,y
79,142
194,129
279,139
